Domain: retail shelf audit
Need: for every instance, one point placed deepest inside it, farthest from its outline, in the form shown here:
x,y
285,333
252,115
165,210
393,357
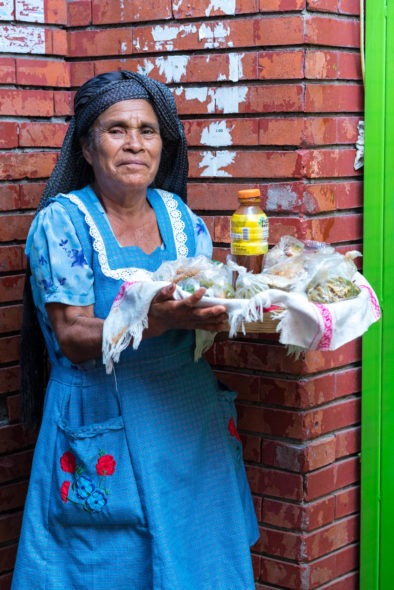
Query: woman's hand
x,y
166,313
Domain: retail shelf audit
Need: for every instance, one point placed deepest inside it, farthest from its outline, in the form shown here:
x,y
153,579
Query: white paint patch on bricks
x,y
165,35
217,134
228,99
6,9
213,163
20,39
235,66
30,10
225,6
281,198
146,68
173,67
199,94
215,36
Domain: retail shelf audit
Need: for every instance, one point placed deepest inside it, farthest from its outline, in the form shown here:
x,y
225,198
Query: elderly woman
x,y
137,480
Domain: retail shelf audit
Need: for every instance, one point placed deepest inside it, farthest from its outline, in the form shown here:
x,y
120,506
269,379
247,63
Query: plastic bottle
x,y
249,231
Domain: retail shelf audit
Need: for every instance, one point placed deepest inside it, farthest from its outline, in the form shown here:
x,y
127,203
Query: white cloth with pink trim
x,y
302,325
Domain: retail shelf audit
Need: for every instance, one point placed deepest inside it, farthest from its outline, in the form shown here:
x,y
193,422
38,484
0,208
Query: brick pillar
x,y
270,95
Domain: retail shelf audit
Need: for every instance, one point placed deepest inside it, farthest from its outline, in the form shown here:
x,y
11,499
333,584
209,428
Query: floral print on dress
x,y
77,256
90,495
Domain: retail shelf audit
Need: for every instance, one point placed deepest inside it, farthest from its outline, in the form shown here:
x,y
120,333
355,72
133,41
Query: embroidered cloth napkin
x,y
302,325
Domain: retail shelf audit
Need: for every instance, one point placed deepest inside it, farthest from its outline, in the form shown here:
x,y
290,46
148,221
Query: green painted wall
x,y
377,453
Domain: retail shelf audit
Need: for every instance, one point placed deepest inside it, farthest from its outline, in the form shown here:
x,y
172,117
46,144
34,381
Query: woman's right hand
x,y
166,313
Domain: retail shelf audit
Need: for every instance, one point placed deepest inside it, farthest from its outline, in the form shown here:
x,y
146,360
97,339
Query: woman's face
x,y
124,147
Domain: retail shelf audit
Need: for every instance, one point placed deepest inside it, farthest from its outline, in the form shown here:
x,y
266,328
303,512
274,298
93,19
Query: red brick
x,y
348,442
332,537
11,257
271,482
27,103
348,582
347,502
349,7
63,103
12,438
283,98
79,13
246,386
26,165
118,11
13,408
58,42
219,132
251,447
347,227
7,70
281,5
323,5
9,349
281,65
42,134
40,72
283,544
204,8
103,42
281,131
345,97
13,495
331,196
10,527
283,574
11,289
14,227
8,134
56,12
7,559
239,164
10,318
332,31
326,568
303,517
15,466
30,194
331,478
82,71
327,162
280,30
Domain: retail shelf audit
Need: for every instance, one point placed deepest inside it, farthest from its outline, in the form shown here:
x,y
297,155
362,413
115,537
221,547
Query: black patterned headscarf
x,y
72,172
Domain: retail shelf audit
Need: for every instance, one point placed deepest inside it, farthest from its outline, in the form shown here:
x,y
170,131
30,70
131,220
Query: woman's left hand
x,y
166,313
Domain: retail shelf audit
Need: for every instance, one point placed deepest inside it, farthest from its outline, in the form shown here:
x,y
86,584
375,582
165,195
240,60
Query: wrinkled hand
x,y
166,313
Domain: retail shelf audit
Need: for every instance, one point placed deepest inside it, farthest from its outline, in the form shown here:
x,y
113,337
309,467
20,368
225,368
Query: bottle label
x,y
249,234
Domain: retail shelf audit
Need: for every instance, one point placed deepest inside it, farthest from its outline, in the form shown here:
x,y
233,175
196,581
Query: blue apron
x,y
138,481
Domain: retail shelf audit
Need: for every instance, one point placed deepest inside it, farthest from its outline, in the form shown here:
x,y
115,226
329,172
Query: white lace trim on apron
x,y
130,273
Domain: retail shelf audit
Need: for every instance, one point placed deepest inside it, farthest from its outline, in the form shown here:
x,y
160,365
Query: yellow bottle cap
x,y
249,193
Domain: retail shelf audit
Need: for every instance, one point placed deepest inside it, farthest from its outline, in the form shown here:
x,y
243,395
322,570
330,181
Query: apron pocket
x,y
93,479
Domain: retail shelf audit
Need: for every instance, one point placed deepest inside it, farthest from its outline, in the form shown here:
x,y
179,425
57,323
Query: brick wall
x,y
270,95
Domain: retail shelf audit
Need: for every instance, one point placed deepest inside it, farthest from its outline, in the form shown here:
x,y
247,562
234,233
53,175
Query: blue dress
x,y
137,481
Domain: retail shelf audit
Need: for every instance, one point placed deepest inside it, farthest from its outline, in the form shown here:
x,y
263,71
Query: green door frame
x,y
377,444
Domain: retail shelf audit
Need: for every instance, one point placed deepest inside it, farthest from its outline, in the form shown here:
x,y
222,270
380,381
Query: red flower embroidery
x,y
67,462
64,490
233,429
105,465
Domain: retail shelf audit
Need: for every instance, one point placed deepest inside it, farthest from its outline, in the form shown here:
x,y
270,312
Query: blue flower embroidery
x,y
96,501
82,491
42,260
83,486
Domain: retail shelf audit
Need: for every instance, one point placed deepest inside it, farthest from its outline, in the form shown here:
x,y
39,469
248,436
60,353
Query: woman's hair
x,y
72,172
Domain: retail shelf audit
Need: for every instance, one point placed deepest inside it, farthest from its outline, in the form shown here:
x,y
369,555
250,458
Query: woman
x,y
137,480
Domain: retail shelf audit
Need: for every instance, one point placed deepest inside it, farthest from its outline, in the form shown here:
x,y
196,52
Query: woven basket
x,y
267,326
